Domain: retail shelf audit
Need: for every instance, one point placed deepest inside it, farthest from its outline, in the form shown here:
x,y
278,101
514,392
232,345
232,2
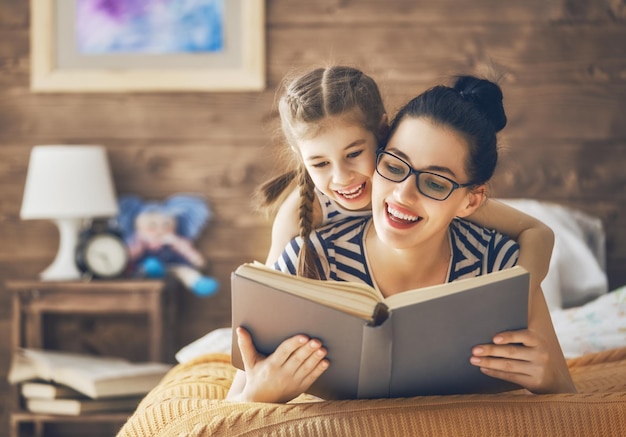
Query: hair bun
x,y
486,96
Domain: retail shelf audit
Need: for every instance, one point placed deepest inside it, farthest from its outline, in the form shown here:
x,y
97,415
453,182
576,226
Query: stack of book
x,y
49,398
54,382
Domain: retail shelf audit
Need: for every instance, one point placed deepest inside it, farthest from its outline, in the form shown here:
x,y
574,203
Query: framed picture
x,y
147,45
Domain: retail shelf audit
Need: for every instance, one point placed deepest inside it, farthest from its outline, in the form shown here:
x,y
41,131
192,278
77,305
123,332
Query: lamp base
x,y
64,265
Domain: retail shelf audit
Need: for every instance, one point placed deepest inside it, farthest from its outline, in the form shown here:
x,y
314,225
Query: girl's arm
x,y
535,239
286,226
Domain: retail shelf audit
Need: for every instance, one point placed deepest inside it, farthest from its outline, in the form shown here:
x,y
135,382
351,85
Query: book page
x,y
48,390
356,298
103,379
106,372
22,369
89,374
34,363
411,297
78,406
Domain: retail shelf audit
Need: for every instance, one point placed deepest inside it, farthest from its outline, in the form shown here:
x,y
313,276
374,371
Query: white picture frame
x,y
240,66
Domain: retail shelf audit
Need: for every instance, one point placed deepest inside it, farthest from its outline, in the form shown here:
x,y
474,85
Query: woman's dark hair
x,y
473,108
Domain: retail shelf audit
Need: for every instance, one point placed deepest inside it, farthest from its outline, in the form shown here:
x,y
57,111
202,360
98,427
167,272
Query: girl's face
x,y
404,217
340,161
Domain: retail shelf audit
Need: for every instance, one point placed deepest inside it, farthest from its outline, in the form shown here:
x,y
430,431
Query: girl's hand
x,y
522,357
283,375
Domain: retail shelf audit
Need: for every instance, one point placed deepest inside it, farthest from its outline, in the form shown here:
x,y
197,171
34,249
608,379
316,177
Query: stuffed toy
x,y
159,237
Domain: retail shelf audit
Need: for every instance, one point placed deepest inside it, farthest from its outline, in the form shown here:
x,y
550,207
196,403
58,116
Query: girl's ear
x,y
473,200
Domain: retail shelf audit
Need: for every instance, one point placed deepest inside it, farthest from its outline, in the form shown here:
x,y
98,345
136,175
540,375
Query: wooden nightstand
x,y
33,301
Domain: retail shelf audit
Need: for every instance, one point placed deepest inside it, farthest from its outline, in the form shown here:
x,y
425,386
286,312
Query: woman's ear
x,y
474,198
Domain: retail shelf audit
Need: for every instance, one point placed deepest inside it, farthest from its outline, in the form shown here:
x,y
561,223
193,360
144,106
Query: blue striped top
x,y
341,253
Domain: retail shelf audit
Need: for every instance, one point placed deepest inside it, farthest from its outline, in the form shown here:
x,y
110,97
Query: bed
x,y
589,319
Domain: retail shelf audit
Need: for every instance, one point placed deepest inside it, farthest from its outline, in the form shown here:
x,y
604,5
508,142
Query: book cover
x,y
75,407
48,390
93,376
413,343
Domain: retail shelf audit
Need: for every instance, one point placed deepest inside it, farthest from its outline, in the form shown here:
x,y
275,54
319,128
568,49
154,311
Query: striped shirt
x,y
332,212
341,252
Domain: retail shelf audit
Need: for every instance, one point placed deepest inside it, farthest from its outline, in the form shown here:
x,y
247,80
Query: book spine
x,y
375,368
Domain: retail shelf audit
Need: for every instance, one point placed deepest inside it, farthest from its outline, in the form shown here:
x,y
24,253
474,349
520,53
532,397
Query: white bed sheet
x,y
596,326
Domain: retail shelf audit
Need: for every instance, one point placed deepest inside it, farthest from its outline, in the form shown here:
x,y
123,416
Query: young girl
x,y
333,120
433,170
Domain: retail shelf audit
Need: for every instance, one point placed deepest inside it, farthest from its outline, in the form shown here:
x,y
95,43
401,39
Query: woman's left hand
x,y
522,357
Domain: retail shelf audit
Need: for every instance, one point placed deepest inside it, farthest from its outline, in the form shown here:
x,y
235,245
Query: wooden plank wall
x,y
563,69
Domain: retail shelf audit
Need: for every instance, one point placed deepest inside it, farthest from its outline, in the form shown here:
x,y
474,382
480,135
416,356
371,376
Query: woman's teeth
x,y
400,215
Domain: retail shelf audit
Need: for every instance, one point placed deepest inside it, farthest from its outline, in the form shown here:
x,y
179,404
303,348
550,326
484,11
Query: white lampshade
x,y
68,184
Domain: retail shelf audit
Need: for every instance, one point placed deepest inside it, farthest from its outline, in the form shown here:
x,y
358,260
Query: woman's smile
x,y
401,217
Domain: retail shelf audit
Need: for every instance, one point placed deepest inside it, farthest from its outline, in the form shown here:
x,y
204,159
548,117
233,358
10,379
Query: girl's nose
x,y
342,176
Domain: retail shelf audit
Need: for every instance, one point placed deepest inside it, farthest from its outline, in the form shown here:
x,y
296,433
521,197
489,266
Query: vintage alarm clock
x,y
101,252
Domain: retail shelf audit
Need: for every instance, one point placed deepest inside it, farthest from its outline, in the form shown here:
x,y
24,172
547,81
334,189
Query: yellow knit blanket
x,y
189,402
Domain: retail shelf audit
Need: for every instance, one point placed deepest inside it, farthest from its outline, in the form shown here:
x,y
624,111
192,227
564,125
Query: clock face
x,y
106,256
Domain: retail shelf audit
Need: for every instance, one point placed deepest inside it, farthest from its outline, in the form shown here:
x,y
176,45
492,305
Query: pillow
x,y
577,272
216,341
593,327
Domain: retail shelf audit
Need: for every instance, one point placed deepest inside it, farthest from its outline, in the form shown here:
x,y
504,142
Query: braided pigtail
x,y
269,192
306,259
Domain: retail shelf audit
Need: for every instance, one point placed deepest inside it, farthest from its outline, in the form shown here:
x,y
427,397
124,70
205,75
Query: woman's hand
x,y
283,375
522,357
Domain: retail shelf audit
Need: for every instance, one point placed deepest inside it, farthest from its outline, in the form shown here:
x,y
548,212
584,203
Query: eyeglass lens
x,y
429,184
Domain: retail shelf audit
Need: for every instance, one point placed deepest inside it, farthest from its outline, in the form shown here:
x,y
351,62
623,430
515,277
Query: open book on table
x,y
417,342
94,376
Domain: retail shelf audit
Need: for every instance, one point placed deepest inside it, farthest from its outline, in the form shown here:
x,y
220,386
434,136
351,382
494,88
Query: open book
x,y
94,376
417,342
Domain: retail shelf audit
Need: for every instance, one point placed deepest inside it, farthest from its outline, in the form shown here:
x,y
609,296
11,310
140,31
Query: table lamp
x,y
68,184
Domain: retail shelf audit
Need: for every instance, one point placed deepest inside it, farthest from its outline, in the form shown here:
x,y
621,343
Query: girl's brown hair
x,y
306,102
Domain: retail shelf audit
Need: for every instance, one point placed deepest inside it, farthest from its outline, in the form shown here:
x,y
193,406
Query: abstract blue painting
x,y
149,26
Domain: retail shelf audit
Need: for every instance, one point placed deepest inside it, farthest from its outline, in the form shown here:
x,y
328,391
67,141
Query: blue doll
x,y
159,238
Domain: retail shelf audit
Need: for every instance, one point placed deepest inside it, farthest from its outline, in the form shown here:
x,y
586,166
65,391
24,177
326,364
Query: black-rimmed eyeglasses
x,y
431,185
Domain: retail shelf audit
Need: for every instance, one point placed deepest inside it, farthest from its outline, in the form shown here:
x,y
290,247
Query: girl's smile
x,y
340,160
353,193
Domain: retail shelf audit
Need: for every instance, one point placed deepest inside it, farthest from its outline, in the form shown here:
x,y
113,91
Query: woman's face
x,y
403,216
340,161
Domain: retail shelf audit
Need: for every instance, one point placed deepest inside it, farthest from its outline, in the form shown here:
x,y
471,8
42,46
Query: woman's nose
x,y
406,191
